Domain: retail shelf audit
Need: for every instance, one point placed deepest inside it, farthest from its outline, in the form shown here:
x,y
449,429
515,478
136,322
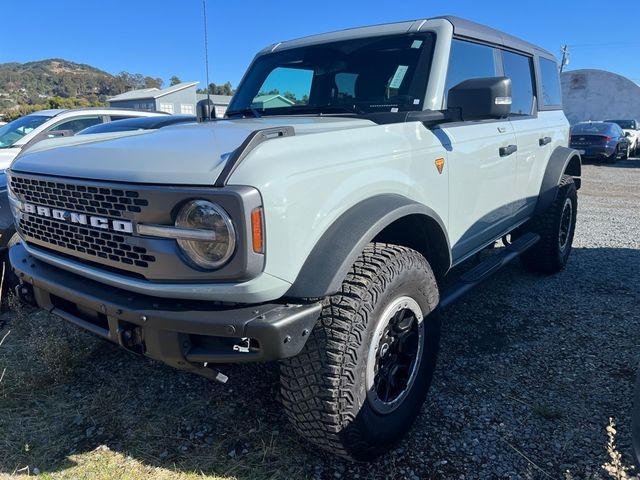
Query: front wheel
x,y
10,280
556,228
363,375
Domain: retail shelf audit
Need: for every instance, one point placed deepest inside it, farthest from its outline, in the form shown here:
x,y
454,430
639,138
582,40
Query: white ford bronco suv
x,y
314,224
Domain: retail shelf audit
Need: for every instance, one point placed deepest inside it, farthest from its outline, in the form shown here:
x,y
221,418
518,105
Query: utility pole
x,y
565,57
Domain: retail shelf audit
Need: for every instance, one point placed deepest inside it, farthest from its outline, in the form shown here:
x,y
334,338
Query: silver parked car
x,y
25,131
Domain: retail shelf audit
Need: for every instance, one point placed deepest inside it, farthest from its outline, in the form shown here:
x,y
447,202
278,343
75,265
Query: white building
x,y
599,95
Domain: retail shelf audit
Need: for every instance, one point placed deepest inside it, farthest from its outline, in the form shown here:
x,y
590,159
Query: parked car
x,y
315,231
600,141
143,123
23,132
631,129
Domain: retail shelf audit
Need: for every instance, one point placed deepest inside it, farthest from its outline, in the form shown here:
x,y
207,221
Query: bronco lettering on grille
x,y
121,226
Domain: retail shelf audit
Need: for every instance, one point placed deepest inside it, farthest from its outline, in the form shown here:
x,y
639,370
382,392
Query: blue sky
x,y
161,38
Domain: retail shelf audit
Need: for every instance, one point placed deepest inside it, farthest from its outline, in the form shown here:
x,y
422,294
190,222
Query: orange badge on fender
x,y
440,165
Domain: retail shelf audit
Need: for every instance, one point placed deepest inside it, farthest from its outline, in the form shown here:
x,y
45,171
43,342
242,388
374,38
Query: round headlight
x,y
204,215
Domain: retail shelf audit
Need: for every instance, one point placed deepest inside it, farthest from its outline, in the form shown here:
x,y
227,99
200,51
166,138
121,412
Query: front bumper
x,y
184,334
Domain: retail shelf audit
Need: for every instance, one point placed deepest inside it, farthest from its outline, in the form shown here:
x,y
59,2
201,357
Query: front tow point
x,y
24,292
216,375
131,338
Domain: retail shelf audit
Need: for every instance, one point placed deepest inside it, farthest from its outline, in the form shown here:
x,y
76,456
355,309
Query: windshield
x,y
592,128
628,124
380,74
14,131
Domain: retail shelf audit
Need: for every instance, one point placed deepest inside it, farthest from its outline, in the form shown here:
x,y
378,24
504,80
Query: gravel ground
x,y
531,369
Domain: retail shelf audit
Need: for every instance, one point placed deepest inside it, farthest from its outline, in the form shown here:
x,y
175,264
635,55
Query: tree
x,y
150,82
290,96
175,80
226,89
130,81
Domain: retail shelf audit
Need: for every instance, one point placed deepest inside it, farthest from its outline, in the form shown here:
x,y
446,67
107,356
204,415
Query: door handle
x,y
544,141
506,151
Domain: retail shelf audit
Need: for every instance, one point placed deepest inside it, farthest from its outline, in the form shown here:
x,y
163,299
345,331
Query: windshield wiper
x,y
320,109
245,111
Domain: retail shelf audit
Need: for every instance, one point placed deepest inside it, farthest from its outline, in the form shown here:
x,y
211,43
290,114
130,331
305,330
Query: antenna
x,y
206,55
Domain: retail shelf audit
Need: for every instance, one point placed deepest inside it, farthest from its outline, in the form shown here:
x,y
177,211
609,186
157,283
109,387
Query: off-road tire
x,y
323,388
546,256
10,280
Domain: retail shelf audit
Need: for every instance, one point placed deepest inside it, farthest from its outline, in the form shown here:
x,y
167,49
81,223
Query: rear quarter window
x,y
550,77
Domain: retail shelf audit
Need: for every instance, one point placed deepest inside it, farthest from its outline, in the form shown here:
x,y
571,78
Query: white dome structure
x,y
599,95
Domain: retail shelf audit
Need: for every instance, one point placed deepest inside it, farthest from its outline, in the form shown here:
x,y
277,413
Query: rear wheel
x,y
363,375
556,228
613,158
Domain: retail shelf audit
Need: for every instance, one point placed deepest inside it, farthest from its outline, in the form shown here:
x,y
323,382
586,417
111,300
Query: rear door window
x,y
519,69
77,124
115,118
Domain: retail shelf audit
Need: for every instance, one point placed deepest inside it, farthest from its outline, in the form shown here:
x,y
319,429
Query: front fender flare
x,y
333,255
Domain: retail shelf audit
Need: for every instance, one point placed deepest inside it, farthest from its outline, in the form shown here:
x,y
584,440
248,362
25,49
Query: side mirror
x,y
482,98
205,110
627,134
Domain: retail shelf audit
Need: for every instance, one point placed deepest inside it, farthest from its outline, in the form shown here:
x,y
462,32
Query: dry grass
x,y
615,467
74,406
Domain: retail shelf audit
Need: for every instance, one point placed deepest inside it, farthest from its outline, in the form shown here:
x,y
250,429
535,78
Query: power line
x,y
565,57
604,45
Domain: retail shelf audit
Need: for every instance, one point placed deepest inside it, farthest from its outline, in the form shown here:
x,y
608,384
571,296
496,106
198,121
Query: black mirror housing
x,y
205,110
482,98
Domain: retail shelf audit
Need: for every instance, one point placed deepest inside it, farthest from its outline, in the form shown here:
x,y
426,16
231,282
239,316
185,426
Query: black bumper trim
x,y
184,334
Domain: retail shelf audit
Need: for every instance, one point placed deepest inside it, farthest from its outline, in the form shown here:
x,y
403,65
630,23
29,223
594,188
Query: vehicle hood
x,y
182,154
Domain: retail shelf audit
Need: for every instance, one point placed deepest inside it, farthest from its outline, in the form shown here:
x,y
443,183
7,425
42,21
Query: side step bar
x,y
487,268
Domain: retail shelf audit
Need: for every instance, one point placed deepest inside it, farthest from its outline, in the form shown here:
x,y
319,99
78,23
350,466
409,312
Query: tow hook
x,y
244,346
216,375
130,337
24,291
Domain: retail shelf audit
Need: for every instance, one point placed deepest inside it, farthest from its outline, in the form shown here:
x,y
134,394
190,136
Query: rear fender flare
x,y
563,161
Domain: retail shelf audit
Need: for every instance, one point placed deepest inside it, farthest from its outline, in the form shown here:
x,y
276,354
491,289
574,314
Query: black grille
x,y
83,198
90,241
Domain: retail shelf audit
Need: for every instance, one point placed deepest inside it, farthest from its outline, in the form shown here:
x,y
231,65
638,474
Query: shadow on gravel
x,y
530,370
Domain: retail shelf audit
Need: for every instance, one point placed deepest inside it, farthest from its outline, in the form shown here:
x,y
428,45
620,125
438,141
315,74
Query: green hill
x,y
36,83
